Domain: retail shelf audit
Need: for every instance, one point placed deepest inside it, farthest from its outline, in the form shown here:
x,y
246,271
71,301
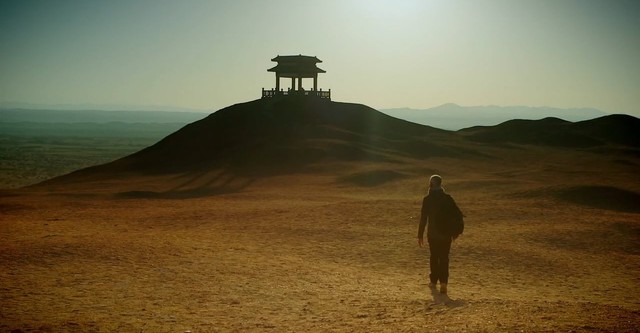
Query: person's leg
x,y
433,261
445,248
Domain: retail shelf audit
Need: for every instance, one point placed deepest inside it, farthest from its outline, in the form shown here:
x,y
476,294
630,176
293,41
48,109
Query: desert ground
x,y
551,244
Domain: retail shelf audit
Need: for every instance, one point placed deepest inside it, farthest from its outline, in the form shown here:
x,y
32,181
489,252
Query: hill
x,y
275,136
351,142
608,130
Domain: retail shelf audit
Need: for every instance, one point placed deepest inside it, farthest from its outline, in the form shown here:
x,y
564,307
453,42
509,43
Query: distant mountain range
x,y
454,117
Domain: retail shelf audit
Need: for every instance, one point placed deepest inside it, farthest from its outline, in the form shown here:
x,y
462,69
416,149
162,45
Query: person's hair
x,y
435,180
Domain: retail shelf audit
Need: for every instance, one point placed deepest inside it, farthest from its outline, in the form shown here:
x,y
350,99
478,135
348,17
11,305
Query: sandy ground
x,y
314,255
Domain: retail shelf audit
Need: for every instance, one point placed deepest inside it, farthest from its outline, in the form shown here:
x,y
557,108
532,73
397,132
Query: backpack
x,y
450,220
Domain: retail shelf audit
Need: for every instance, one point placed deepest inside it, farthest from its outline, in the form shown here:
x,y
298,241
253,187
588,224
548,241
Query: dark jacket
x,y
442,214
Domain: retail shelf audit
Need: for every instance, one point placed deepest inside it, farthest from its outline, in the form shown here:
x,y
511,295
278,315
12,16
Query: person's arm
x,y
423,222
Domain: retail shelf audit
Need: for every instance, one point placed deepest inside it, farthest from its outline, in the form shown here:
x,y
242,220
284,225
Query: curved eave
x,y
295,72
296,59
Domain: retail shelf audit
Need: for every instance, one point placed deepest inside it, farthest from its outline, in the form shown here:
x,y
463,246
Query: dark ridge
x,y
545,132
621,130
616,128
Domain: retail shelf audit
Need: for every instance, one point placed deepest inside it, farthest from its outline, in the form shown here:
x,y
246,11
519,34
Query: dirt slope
x,y
303,253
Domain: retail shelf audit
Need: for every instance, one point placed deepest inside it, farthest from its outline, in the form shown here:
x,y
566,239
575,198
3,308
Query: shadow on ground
x,y
602,197
202,184
443,299
372,178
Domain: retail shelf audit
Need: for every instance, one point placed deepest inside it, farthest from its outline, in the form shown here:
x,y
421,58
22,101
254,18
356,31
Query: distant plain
x,y
36,145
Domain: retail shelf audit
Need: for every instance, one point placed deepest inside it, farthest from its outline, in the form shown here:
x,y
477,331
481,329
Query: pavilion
x,y
296,67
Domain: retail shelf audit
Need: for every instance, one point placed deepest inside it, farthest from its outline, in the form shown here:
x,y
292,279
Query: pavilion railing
x,y
270,93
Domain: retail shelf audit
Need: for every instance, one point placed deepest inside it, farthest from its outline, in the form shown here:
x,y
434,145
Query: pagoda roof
x,y
296,66
296,58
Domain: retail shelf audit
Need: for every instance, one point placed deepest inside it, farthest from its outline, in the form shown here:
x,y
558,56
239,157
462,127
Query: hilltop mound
x,y
277,136
613,129
355,144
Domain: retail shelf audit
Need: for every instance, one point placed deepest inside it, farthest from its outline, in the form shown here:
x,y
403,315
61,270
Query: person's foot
x,y
443,288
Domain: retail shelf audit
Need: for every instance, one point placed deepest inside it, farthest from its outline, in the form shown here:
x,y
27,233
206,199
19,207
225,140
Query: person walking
x,y
444,222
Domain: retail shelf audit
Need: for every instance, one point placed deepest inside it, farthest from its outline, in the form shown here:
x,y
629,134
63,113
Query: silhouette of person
x,y
444,223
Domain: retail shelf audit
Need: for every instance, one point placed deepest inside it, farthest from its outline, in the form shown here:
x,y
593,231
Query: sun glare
x,y
382,9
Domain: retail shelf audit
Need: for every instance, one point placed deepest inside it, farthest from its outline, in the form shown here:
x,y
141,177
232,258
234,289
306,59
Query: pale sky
x,y
382,53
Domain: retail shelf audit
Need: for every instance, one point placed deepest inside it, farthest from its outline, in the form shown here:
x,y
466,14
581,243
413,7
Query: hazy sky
x,y
383,53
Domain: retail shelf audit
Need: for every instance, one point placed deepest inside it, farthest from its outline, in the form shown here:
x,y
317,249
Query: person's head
x,y
435,181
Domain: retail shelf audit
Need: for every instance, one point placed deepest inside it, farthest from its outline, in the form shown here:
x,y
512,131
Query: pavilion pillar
x,y
300,83
277,82
293,83
315,82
